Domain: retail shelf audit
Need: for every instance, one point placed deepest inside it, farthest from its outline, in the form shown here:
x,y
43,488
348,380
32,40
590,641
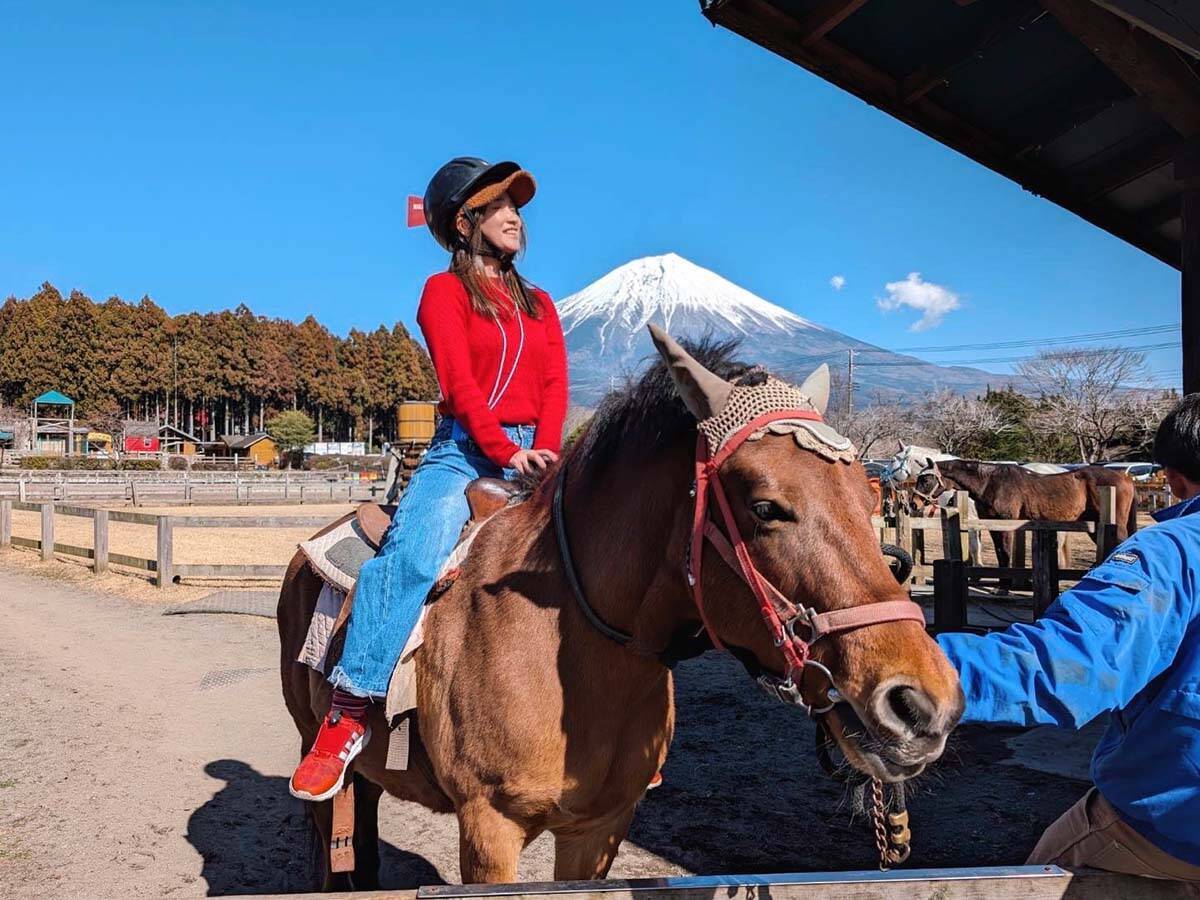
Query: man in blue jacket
x,y
1125,639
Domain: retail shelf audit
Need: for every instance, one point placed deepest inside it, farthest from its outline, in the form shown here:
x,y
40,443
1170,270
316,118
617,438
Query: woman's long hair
x,y
467,263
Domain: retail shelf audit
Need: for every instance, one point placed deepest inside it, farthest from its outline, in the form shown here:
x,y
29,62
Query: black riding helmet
x,y
470,179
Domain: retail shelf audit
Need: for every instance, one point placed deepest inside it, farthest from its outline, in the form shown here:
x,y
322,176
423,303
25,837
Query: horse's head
x,y
803,507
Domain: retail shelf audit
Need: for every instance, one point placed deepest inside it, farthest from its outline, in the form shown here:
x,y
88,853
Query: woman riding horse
x,y
497,347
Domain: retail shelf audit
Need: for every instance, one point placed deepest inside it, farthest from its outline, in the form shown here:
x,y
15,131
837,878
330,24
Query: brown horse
x,y
1003,491
531,719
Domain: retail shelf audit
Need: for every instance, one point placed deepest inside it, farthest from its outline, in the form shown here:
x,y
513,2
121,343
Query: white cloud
x,y
933,301
837,282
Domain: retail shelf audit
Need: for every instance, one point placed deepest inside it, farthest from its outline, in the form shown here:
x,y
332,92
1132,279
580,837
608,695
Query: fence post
x,y
47,531
1019,556
100,541
165,549
5,523
133,492
962,502
952,531
21,489
1106,528
949,595
1045,570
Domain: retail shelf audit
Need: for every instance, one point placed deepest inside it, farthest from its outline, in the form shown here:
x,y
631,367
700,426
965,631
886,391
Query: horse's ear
x,y
703,393
816,386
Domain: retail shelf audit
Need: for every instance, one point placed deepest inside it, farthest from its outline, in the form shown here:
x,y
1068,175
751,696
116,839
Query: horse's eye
x,y
767,511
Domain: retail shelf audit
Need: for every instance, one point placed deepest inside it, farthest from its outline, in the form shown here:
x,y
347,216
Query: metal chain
x,y
877,814
892,835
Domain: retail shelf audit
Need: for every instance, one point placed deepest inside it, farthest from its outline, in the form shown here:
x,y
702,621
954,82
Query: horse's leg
x,y
489,844
587,855
1003,543
366,834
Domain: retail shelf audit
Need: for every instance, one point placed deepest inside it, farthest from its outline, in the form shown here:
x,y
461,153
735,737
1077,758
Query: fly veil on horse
x,y
543,685
1003,491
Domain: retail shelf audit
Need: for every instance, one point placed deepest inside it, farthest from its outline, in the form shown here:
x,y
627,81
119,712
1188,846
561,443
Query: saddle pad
x,y
402,687
338,556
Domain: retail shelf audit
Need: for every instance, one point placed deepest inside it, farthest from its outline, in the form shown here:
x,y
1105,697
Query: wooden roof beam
x,y
1128,167
1151,68
1004,19
825,17
770,27
1163,212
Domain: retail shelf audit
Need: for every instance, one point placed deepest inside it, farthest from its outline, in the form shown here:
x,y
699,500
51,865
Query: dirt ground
x,y
143,755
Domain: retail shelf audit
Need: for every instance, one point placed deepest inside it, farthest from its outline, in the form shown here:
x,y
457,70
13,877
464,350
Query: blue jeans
x,y
393,586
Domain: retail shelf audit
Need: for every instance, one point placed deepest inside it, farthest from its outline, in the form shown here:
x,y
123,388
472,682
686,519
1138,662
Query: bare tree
x,y
956,423
874,425
1086,394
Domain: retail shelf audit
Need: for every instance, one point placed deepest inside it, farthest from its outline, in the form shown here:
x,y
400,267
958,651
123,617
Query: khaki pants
x,y
1091,834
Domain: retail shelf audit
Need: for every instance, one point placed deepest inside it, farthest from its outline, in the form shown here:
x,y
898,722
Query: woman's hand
x,y
530,462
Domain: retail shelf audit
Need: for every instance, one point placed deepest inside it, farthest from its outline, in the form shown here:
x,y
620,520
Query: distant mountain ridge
x,y
605,329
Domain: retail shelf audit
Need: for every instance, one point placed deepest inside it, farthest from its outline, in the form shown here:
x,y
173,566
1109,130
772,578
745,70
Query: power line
x,y
1140,331
1041,342
1007,359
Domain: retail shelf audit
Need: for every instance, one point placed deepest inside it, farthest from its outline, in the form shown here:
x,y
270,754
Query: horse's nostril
x,y
911,707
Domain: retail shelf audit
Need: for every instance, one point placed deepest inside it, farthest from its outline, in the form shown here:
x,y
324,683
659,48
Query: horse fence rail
x,y
163,566
959,566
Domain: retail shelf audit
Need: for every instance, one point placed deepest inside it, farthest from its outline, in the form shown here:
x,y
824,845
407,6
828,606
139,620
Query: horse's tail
x,y
1132,525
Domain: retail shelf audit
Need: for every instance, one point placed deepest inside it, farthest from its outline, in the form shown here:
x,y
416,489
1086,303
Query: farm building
x,y
260,448
176,440
141,437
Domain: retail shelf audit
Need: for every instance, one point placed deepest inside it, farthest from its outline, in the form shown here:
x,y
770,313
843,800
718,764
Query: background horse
x,y
531,719
1011,492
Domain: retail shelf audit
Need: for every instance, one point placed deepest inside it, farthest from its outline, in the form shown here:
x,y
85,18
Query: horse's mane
x,y
647,412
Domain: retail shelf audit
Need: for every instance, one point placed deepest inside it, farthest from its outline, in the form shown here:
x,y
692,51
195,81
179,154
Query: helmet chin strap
x,y
490,250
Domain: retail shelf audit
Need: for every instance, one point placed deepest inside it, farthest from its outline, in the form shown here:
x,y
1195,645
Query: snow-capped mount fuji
x,y
605,329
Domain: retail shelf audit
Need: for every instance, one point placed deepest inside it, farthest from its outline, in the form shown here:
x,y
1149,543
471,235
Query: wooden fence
x,y
165,570
956,570
190,488
997,883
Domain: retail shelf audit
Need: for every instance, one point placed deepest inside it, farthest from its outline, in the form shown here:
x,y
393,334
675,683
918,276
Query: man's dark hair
x,y
1177,441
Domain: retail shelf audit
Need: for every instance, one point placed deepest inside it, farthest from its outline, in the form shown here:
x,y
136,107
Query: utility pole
x,y
850,383
175,379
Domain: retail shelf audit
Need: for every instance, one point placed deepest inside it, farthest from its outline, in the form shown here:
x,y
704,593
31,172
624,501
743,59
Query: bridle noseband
x,y
930,497
781,616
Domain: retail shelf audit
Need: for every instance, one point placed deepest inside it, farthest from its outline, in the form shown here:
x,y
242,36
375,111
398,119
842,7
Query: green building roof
x,y
56,398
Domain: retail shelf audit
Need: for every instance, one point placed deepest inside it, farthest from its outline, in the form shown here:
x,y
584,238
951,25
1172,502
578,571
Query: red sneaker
x,y
321,773
655,782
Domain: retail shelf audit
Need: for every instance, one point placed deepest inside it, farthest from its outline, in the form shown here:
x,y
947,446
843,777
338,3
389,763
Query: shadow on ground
x,y
254,839
745,794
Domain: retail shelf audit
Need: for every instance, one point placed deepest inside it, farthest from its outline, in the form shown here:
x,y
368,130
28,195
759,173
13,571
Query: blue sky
x,y
216,153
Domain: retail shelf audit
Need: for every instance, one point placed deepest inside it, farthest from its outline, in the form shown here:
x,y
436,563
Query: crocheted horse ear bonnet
x,y
723,409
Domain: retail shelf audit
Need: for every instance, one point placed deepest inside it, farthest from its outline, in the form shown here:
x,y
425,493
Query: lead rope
x,y
892,835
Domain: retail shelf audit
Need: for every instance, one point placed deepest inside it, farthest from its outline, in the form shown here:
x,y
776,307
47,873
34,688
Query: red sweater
x,y
474,363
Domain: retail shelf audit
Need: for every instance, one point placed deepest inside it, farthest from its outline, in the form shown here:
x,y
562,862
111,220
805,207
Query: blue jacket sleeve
x,y
1097,646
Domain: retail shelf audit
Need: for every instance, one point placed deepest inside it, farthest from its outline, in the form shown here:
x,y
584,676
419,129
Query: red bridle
x,y
780,614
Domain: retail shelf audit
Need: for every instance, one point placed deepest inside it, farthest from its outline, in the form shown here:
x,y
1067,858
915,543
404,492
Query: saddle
x,y
338,555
